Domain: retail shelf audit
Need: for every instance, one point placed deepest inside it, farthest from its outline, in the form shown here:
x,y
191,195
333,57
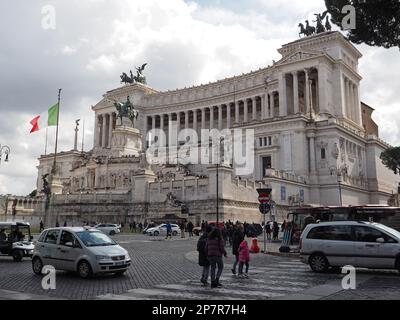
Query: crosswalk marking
x,y
265,282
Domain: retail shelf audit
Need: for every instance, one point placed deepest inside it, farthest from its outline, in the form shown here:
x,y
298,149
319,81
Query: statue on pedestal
x,y
126,110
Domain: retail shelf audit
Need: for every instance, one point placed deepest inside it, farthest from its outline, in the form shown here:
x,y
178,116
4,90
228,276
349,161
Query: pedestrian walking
x,y
57,225
244,258
215,250
237,238
169,230
134,226
140,227
182,227
203,261
268,230
275,231
41,226
65,223
190,227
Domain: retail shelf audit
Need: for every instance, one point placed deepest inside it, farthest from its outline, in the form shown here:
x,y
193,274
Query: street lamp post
x,y
6,150
339,180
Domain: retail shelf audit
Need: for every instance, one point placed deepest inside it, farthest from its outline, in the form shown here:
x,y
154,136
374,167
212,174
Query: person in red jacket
x,y
255,248
244,258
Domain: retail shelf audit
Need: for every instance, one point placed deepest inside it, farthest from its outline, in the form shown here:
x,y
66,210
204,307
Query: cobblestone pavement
x,y
167,269
383,285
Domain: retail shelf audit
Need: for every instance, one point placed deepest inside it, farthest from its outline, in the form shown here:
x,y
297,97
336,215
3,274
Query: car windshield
x,y
95,239
389,230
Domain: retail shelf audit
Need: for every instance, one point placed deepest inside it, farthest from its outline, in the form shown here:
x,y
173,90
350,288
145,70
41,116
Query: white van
x,y
87,251
359,244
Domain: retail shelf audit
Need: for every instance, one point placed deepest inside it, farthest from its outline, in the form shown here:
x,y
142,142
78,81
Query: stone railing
x,y
272,173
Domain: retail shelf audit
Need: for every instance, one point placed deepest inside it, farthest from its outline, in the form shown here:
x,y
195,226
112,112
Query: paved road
x,y
168,270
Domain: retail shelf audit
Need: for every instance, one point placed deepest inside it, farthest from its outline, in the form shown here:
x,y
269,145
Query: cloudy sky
x,y
183,42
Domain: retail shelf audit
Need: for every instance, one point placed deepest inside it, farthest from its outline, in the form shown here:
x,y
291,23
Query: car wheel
x,y
174,233
37,265
84,269
17,255
112,233
156,233
319,263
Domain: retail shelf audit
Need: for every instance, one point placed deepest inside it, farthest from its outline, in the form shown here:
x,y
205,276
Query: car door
x,y
67,252
163,229
339,245
370,253
48,248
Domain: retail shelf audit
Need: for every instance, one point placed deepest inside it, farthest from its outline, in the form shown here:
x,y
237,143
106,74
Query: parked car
x,y
86,251
16,240
162,230
109,228
359,244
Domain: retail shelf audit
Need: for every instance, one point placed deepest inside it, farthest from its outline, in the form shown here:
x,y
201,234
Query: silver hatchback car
x,y
87,251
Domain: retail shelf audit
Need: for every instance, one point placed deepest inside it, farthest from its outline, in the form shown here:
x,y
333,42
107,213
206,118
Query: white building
x,y
309,134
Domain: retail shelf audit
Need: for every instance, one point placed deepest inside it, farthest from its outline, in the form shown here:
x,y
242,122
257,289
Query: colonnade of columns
x,y
105,124
220,116
352,103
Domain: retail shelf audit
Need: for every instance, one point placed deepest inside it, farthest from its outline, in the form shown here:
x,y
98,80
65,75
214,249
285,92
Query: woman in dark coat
x,y
215,249
203,261
237,238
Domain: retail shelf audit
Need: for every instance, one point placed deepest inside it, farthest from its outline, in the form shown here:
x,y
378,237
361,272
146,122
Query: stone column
x,y
144,143
186,119
295,92
162,121
347,94
228,115
254,104
246,111
282,96
237,119
96,131
220,117
358,107
153,122
312,154
211,117
110,130
272,110
203,118
169,127
307,90
103,132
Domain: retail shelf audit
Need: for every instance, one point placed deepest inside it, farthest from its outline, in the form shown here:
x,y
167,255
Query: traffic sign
x,y
264,198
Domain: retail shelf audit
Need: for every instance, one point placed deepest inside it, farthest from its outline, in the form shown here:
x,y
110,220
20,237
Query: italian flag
x,y
40,122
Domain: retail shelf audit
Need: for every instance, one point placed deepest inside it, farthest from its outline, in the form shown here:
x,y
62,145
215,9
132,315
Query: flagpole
x,y
83,134
58,119
45,147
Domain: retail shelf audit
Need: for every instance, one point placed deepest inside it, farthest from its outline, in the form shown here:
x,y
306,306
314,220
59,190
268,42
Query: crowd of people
x,y
211,247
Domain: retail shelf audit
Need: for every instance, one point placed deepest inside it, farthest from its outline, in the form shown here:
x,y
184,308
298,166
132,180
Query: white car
x,y
109,228
162,230
359,244
86,251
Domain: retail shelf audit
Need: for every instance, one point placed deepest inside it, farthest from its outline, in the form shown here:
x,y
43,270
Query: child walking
x,y
244,259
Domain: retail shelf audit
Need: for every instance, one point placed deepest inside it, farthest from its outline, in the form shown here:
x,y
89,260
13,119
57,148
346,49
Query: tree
x,y
391,159
377,21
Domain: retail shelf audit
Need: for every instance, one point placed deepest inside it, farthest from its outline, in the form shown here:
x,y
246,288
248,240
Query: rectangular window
x,y
261,142
266,164
270,141
265,141
323,154
301,195
283,193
